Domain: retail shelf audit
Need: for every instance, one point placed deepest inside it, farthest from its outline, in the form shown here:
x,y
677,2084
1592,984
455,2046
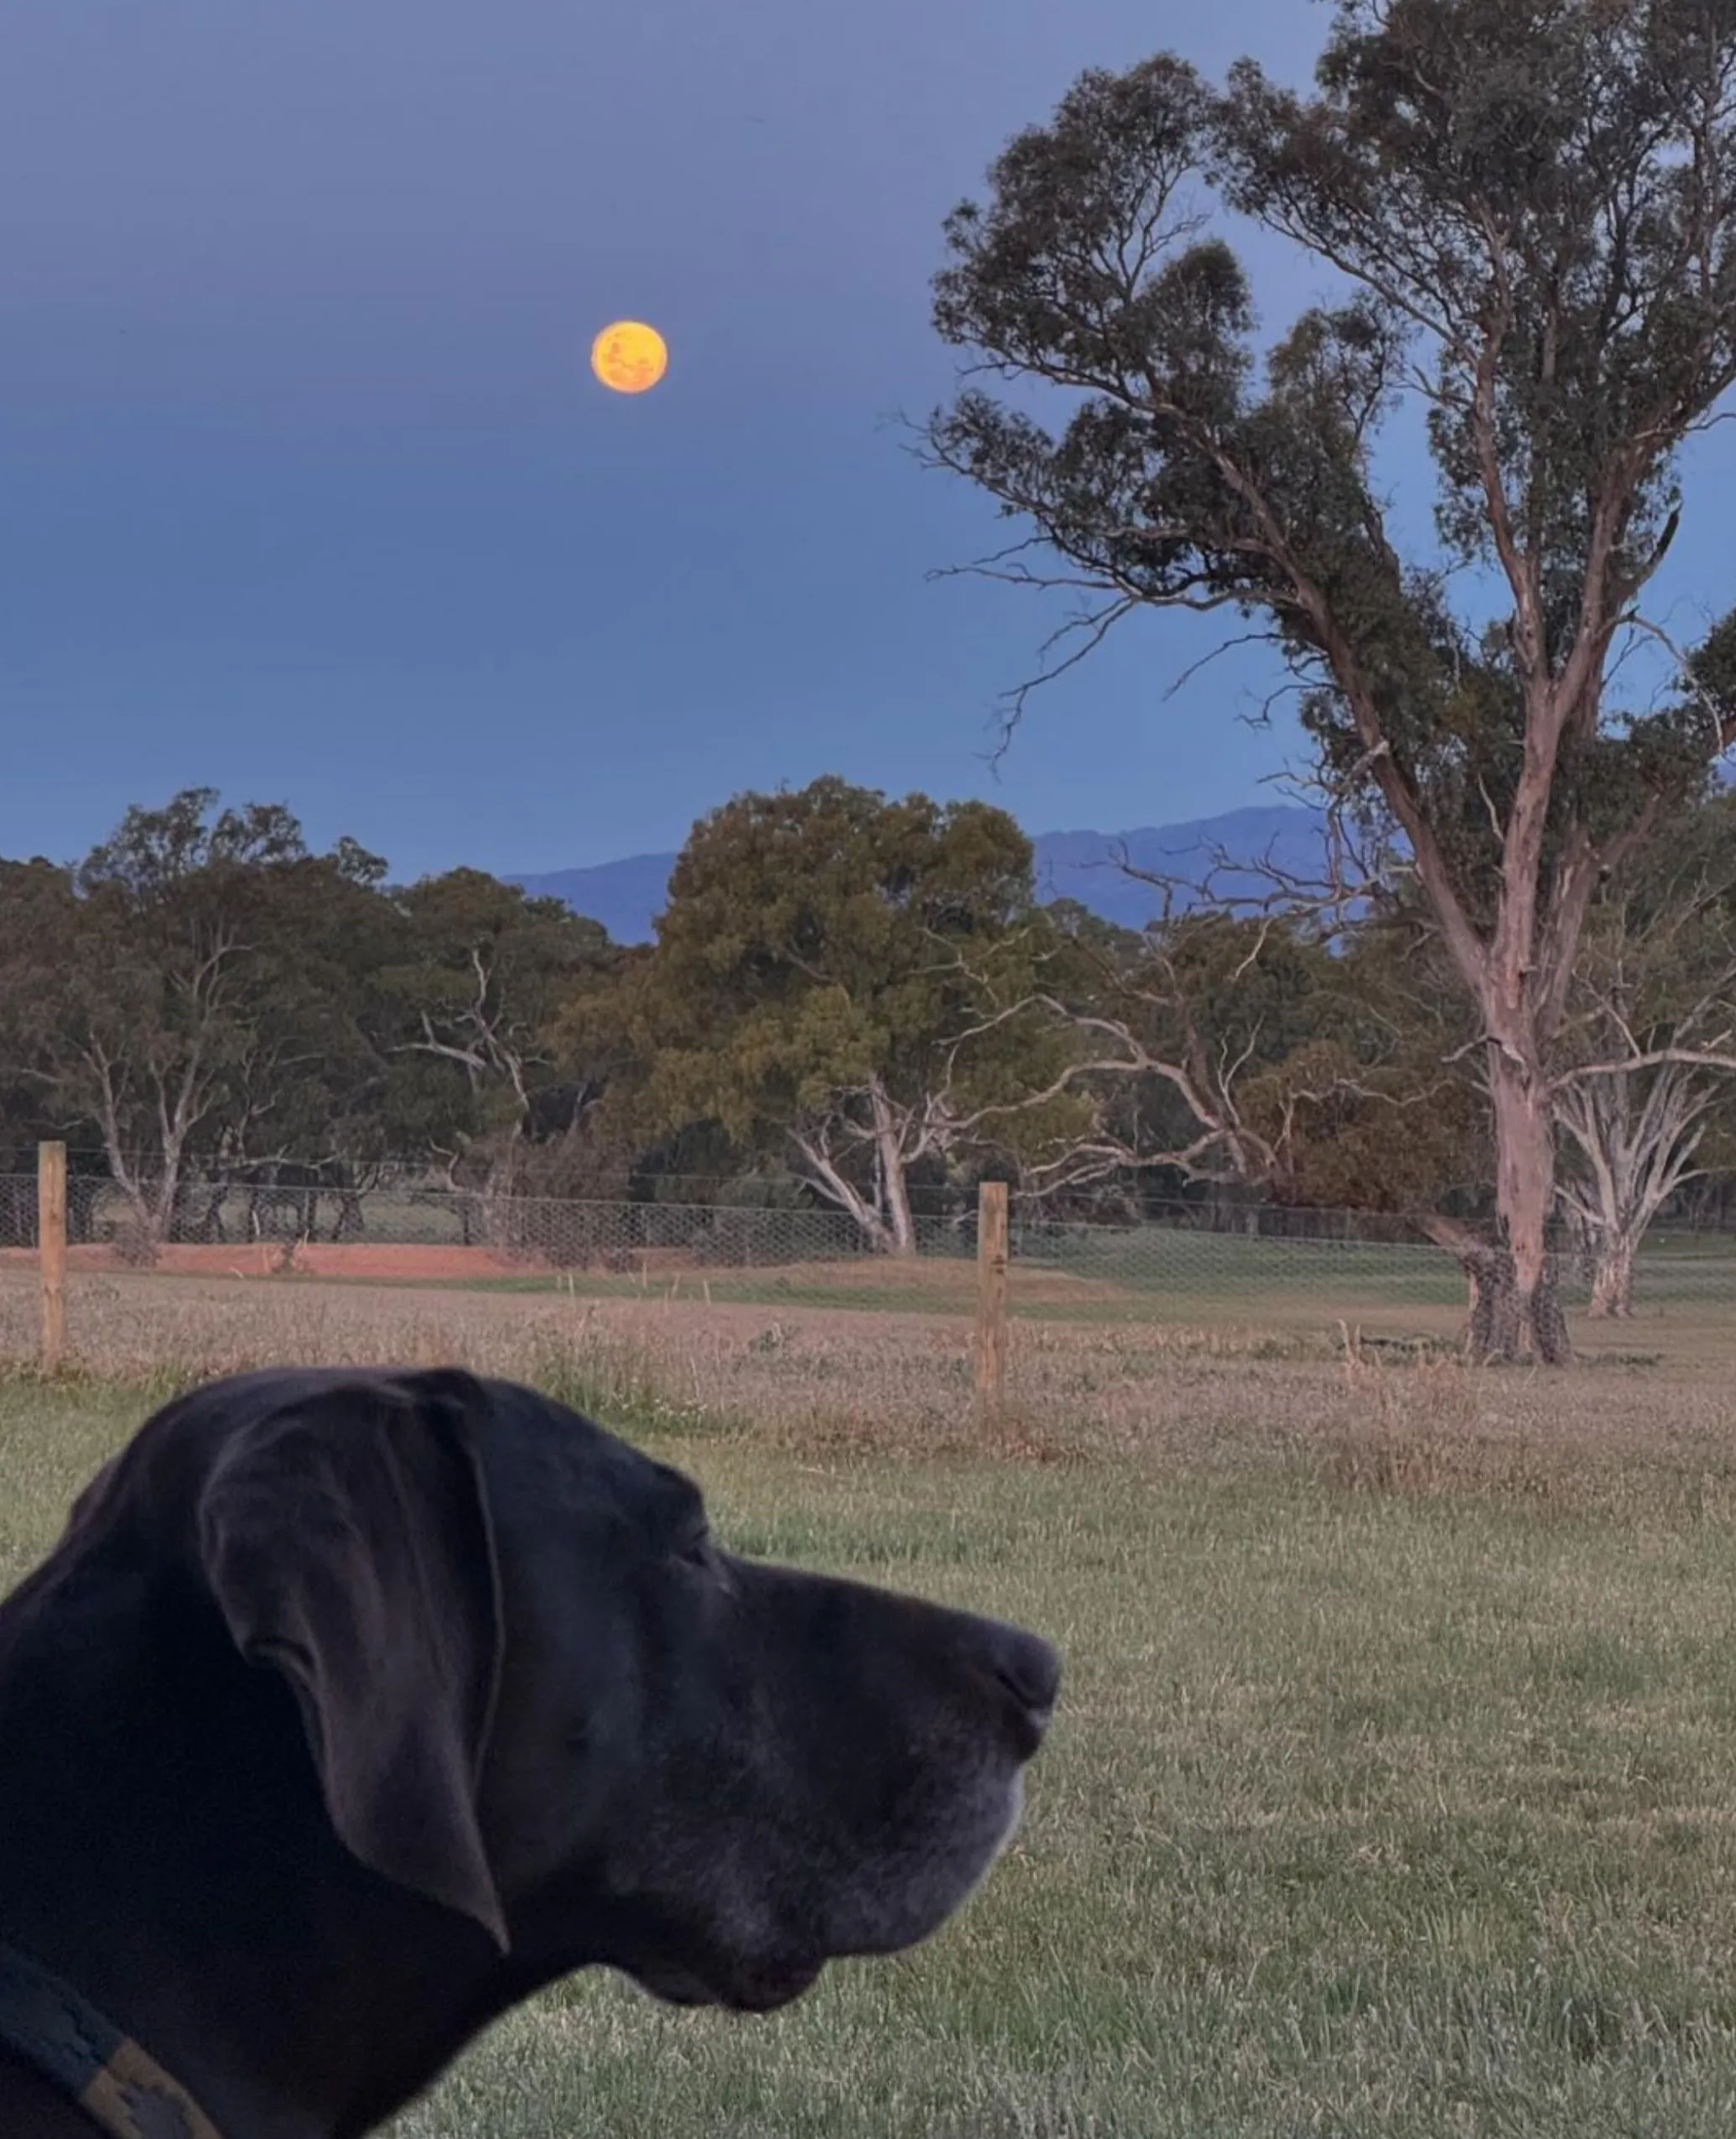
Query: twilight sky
x,y
306,491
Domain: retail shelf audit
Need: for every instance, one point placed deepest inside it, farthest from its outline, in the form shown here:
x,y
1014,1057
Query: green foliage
x,y
483,977
1511,197
202,990
1265,1058
199,958
36,911
842,974
1376,1112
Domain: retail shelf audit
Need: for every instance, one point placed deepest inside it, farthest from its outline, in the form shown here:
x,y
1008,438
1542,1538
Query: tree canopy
x,y
845,973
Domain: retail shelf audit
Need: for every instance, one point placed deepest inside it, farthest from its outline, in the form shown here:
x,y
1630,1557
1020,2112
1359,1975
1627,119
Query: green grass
x,y
1368,1811
1123,1276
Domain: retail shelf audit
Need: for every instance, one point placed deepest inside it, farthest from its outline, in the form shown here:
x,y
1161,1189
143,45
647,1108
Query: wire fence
x,y
404,1228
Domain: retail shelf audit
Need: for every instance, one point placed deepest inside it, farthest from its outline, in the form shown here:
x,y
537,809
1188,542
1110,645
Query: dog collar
x,y
124,2091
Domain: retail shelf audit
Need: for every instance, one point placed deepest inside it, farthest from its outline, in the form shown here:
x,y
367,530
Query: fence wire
x,y
1161,1269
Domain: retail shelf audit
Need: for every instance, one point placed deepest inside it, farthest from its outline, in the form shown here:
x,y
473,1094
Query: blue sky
x,y
306,491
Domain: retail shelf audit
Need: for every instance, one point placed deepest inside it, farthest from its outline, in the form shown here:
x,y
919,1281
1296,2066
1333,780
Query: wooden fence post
x,y
51,1243
991,1296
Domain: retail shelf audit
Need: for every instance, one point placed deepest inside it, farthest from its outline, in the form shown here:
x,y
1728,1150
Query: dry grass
x,y
1370,1412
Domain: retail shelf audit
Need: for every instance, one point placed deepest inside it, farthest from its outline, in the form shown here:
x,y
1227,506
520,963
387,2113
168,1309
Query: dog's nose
x,y
1029,1670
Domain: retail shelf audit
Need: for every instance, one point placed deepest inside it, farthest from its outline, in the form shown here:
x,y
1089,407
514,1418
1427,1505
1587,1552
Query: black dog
x,y
353,1707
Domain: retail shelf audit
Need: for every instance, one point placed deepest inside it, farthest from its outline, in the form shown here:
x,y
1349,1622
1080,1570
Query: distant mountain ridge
x,y
626,896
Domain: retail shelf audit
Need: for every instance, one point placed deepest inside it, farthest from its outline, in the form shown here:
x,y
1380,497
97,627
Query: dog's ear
x,y
346,1536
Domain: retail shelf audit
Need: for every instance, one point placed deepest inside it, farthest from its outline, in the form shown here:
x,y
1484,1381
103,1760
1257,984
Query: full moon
x,y
629,357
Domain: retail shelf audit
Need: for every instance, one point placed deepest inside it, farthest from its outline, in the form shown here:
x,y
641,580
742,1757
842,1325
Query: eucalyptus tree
x,y
1524,211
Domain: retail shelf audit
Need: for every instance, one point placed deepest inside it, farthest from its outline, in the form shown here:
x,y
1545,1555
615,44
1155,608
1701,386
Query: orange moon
x,y
628,356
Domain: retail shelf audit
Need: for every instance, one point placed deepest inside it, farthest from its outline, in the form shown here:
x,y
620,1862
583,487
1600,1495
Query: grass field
x,y
1107,1274
1394,1788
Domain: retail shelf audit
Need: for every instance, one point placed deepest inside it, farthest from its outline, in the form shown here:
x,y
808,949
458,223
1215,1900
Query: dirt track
x,y
952,1278
311,1258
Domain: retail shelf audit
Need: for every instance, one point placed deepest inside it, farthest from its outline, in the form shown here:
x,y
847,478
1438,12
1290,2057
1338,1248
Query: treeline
x,y
853,1001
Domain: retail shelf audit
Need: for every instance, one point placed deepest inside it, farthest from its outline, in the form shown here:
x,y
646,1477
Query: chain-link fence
x,y
405,1226
560,1233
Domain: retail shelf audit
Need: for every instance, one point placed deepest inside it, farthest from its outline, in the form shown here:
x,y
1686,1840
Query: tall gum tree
x,y
1525,209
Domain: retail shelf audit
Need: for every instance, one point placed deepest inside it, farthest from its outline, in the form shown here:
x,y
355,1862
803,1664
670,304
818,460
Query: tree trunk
x,y
901,1226
1634,1138
1494,1332
832,1183
1524,1318
891,1169
1612,1277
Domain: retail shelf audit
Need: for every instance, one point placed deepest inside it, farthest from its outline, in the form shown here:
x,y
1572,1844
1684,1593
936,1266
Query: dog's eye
x,y
695,1549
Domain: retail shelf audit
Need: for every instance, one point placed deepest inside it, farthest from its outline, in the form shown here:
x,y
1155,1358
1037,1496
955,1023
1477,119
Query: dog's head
x,y
536,1690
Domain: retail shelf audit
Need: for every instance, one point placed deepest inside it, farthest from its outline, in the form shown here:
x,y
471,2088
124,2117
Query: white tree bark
x,y
1632,1135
